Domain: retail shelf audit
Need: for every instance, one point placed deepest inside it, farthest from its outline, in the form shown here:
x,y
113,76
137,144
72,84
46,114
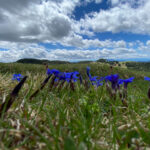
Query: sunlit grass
x,y
81,119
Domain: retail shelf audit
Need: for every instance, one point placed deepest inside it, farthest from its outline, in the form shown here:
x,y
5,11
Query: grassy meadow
x,y
86,118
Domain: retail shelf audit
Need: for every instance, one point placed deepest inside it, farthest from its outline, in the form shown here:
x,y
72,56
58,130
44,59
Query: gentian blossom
x,y
94,79
88,72
120,81
113,78
53,71
17,77
147,78
62,76
71,76
126,81
67,76
97,83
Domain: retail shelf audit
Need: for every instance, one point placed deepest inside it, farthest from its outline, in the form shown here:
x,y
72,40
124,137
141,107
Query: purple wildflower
x,y
92,79
113,78
88,72
17,77
126,81
53,71
147,78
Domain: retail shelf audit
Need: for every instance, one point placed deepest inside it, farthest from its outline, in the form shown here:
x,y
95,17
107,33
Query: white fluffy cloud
x,y
17,51
134,3
39,22
148,43
24,23
121,18
78,41
49,20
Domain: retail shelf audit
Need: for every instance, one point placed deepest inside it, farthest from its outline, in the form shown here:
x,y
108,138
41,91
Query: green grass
x,y
73,120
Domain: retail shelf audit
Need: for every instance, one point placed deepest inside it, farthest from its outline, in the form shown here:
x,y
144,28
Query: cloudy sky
x,y
74,30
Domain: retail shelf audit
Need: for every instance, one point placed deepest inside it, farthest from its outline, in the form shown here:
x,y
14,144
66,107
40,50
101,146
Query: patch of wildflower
x,y
94,80
116,88
17,77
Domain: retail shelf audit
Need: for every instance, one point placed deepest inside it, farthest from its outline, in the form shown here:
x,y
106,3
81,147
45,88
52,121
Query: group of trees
x,y
111,62
38,61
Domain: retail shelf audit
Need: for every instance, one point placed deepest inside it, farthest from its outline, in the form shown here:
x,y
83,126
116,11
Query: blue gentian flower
x,y
147,78
101,79
62,76
53,71
88,72
56,80
126,81
17,77
68,76
75,77
113,78
92,79
120,81
48,71
97,83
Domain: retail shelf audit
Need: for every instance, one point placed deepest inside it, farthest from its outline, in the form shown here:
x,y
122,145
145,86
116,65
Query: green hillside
x,y
52,114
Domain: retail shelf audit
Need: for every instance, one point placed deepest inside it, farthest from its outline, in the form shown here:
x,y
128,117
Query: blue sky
x,y
80,11
75,30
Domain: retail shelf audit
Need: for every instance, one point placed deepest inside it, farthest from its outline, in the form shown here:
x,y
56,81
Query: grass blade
x,y
9,101
42,86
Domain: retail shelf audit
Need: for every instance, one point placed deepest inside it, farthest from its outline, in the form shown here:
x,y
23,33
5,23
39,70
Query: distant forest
x,y
38,61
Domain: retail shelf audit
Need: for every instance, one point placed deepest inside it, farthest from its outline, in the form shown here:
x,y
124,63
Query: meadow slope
x,y
87,117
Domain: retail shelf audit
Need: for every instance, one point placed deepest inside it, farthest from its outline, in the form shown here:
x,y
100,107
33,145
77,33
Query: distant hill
x,y
142,66
84,62
38,61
